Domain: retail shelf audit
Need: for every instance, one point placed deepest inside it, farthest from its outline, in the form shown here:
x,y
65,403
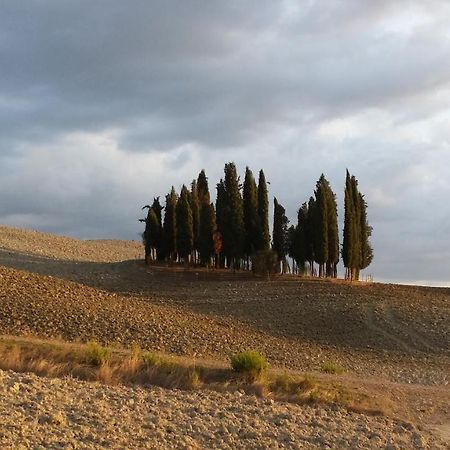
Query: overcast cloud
x,y
105,104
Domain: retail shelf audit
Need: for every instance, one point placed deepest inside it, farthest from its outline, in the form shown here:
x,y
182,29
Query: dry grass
x,y
51,359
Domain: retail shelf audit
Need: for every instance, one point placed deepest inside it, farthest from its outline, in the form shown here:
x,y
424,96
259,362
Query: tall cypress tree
x,y
321,226
263,212
251,217
151,234
207,220
184,225
280,229
222,220
366,232
333,233
348,226
303,244
170,227
195,208
310,233
158,236
355,257
233,234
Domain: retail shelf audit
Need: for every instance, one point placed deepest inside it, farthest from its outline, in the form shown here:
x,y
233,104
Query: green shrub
x,y
331,367
97,354
251,364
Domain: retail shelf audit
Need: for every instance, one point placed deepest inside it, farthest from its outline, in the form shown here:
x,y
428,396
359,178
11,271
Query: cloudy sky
x,y
105,104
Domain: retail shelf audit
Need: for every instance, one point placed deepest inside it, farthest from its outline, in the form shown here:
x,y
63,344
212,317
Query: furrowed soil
x,y
389,338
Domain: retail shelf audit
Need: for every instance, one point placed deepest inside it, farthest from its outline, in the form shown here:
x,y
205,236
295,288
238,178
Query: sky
x,y
106,104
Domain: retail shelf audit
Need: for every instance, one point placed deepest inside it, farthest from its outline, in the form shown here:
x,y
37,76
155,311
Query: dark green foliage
x,y
366,232
311,225
170,226
151,234
357,253
321,226
184,225
221,213
299,249
251,217
263,212
158,234
233,224
195,208
280,237
207,220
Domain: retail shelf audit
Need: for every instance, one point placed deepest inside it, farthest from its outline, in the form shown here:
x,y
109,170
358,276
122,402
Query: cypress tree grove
x,y
251,217
170,226
280,231
233,234
263,212
185,239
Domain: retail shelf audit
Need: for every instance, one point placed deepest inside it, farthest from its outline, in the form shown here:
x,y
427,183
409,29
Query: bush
x,y
265,262
149,359
97,354
250,364
331,367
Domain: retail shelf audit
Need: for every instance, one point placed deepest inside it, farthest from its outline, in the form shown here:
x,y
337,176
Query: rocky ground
x,y
58,287
62,413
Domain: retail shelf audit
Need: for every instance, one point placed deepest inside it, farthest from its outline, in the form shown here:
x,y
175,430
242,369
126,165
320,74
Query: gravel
x,y
42,413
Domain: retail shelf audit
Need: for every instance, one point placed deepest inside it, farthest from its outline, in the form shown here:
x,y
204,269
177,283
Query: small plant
x,y
331,367
149,359
251,364
96,354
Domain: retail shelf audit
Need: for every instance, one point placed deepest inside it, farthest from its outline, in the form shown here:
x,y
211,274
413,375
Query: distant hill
x,y
66,248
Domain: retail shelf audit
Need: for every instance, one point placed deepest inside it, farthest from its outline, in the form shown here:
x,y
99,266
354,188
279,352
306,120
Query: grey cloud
x,y
180,86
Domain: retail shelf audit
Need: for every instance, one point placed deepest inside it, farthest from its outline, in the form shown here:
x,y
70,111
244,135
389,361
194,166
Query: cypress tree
x,y
251,217
207,220
233,234
355,257
321,226
366,232
222,219
184,225
303,245
150,234
158,235
195,208
311,226
202,188
280,223
333,233
263,212
170,228
348,226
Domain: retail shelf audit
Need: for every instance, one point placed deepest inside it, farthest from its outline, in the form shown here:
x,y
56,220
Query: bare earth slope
x,y
58,287
39,413
65,248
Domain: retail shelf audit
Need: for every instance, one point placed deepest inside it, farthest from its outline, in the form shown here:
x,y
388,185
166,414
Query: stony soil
x,y
82,290
65,248
52,414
